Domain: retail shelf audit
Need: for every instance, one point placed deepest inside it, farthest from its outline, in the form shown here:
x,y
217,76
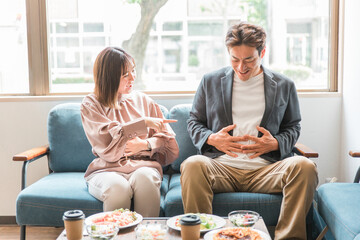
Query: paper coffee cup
x,y
74,222
190,227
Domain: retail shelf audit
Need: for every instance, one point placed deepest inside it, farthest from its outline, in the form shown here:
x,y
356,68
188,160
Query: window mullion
x,y
37,47
334,45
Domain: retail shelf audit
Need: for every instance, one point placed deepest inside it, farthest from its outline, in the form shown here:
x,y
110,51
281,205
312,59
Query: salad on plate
x,y
121,217
208,222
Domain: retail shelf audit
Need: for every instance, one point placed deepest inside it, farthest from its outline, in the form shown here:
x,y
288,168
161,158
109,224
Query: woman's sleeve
x,y
107,137
164,147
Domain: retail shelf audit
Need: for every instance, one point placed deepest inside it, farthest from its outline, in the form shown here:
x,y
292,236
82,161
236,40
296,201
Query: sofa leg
x,y
22,232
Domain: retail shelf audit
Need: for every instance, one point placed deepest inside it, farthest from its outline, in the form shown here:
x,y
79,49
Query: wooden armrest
x,y
354,153
31,154
306,151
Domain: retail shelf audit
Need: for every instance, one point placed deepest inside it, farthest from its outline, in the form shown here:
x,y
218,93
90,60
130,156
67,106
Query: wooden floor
x,y
12,232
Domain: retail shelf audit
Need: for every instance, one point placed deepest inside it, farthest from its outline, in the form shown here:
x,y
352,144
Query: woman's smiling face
x,y
245,61
127,80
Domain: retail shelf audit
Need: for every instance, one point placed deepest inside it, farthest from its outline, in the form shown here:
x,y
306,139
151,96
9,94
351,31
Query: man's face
x,y
246,61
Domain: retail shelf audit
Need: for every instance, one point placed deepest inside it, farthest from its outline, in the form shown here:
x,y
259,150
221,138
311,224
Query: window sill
x,y
152,95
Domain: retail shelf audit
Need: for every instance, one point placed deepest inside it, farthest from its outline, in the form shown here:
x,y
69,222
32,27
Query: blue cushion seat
x,y
39,204
42,205
337,204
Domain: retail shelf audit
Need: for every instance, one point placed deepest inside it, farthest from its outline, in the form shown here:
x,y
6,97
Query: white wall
x,y
351,89
23,126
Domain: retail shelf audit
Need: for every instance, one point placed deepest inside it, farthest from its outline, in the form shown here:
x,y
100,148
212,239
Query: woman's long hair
x,y
109,66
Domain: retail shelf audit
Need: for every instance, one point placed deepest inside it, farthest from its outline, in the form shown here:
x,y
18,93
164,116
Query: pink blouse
x,y
109,129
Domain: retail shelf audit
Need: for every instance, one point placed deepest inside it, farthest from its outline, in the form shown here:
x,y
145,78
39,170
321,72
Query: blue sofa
x,y
338,205
69,153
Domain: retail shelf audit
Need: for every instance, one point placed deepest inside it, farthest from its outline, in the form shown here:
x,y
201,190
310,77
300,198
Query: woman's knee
x,y
118,189
103,185
146,177
117,196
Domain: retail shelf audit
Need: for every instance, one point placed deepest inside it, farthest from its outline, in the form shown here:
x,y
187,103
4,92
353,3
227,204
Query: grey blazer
x,y
212,111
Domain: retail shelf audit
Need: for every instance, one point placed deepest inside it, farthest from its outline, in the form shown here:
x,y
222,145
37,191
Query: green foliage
x,y
133,1
193,60
72,80
258,12
296,73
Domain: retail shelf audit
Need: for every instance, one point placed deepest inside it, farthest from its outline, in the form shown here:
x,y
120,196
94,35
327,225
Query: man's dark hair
x,y
246,34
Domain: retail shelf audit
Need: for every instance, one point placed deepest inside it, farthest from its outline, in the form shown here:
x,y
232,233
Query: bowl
x,y
102,230
152,231
243,218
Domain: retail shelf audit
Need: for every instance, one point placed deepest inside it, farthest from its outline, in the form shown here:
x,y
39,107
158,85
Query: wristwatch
x,y
148,146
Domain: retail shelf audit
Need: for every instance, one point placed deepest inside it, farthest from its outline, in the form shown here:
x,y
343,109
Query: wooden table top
x,y
129,233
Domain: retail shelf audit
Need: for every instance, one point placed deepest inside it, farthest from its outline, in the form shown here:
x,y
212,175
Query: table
x,y
129,233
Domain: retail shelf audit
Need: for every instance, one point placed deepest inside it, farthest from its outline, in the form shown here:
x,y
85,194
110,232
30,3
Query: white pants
x,y
116,190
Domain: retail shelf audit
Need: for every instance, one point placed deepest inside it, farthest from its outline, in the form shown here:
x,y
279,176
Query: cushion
x,y
70,151
181,113
163,190
44,202
267,205
338,204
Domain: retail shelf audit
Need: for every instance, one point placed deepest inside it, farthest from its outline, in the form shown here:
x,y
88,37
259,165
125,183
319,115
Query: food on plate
x,y
122,217
207,221
237,234
151,232
102,230
243,218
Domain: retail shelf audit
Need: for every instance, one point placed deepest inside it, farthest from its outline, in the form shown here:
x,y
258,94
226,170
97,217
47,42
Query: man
x,y
245,121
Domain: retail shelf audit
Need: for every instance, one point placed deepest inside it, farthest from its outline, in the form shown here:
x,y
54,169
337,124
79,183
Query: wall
x,y
351,88
23,126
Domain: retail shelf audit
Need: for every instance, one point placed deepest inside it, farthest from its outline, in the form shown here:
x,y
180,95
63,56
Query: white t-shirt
x,y
248,106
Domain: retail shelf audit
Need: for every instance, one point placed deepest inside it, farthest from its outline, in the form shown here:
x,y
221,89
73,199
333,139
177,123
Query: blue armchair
x,y
339,206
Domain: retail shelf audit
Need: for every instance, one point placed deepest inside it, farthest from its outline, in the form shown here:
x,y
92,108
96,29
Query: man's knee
x,y
305,166
193,164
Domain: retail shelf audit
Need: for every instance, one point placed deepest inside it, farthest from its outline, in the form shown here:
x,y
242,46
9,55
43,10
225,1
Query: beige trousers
x,y
116,190
294,177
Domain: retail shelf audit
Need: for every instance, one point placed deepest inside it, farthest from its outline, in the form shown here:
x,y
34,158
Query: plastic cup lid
x,y
190,219
72,215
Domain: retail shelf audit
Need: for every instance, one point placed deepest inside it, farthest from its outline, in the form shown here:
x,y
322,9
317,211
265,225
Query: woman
x,y
129,136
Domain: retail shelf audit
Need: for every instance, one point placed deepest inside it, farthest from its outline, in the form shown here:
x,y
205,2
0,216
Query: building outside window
x,y
14,69
185,40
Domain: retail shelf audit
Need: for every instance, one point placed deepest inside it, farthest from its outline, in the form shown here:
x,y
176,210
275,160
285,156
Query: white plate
x,y
209,235
138,220
219,221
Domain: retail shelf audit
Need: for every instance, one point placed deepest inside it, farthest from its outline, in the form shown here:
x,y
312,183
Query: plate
x,y
209,235
138,220
219,221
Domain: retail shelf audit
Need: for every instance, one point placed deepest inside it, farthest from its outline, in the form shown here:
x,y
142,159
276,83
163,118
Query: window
x,y
184,41
13,48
